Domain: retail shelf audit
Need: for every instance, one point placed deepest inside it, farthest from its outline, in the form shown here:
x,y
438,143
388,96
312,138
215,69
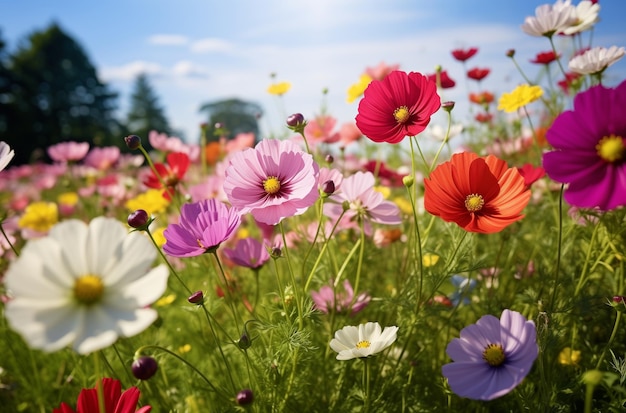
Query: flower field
x,y
408,261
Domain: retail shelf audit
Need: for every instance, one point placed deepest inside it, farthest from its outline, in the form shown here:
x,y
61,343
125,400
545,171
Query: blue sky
x,y
198,51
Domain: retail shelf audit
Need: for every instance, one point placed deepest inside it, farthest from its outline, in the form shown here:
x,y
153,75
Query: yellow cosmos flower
x,y
430,259
569,357
158,236
279,88
357,89
386,191
68,198
184,349
165,300
404,205
519,97
39,216
152,201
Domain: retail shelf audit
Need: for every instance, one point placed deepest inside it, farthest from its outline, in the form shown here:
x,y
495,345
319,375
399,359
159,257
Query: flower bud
x,y
144,367
408,180
592,377
245,397
133,141
276,252
139,219
328,187
329,159
244,341
448,106
510,53
196,298
296,122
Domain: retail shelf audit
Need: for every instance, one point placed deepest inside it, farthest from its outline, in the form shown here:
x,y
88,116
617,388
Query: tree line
x,y
50,93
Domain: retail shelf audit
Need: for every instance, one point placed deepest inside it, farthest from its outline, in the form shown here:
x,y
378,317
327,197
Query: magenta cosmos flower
x,y
272,181
202,228
248,252
400,105
329,299
590,149
492,356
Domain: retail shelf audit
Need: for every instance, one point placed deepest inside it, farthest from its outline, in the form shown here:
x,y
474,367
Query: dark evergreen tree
x,y
145,113
56,96
5,88
233,116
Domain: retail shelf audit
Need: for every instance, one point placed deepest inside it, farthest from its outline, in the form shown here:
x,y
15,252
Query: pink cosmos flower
x,y
272,181
102,158
333,175
365,203
400,105
327,299
381,71
202,228
348,133
320,130
248,252
68,151
590,149
164,143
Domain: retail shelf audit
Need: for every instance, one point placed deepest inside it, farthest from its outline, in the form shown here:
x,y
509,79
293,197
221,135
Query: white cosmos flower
x,y
586,16
362,341
596,60
438,132
84,285
6,154
550,19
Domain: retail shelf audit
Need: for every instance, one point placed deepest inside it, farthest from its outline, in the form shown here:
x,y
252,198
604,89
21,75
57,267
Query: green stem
x,y
557,266
17,254
99,388
172,270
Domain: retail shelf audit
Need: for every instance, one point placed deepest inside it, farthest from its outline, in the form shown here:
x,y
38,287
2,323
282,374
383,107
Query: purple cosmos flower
x,y
248,252
365,203
492,356
203,226
341,301
590,149
272,181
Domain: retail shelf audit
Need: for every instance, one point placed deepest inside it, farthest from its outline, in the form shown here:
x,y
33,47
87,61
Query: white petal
x,y
71,235
141,292
136,255
103,239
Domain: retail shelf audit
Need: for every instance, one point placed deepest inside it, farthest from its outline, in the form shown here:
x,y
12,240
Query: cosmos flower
x,y
380,71
481,98
248,252
356,90
442,79
492,356
545,58
102,158
203,226
550,19
596,60
68,151
462,287
362,341
328,299
115,401
6,154
586,13
279,88
400,105
84,285
39,216
171,174
321,130
364,203
464,54
590,149
272,181
521,96
478,73
478,194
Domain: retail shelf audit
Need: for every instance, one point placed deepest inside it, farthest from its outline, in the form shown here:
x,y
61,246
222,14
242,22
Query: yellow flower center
x,y
401,114
88,289
494,355
474,202
271,185
363,344
611,148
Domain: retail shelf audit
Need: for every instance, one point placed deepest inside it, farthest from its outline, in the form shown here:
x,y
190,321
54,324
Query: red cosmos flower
x,y
115,401
478,73
388,177
545,58
570,83
171,173
483,117
463,54
531,173
478,194
399,105
481,98
445,81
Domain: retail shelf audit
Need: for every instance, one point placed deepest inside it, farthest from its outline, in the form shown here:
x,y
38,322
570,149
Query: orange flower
x,y
481,98
478,194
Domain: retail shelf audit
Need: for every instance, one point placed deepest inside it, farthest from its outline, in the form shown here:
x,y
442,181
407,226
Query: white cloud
x,y
130,70
168,39
210,44
186,68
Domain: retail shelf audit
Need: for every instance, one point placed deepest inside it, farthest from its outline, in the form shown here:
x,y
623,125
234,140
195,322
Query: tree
x,y
234,116
145,113
5,88
57,96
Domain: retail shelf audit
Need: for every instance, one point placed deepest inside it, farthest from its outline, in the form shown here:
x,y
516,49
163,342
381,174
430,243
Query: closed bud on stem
x,y
408,180
328,187
510,53
133,142
196,298
329,159
448,106
139,219
245,397
144,367
296,123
